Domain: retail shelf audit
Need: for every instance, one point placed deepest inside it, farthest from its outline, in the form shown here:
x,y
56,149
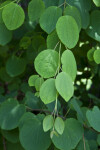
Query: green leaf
x,y
64,86
97,2
31,100
25,87
32,136
25,42
25,118
49,18
10,114
51,106
48,91
97,56
35,9
12,136
90,54
71,136
32,79
40,117
48,123
13,16
69,64
52,133
37,94
93,118
5,35
15,66
80,146
77,108
14,146
1,20
93,145
52,40
2,5
38,82
50,3
94,28
83,6
67,30
74,12
37,41
46,63
59,125
98,139
2,98
4,76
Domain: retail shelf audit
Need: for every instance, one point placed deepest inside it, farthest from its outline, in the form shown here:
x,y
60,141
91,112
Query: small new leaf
x,y
32,80
38,82
52,133
48,123
90,54
59,125
97,56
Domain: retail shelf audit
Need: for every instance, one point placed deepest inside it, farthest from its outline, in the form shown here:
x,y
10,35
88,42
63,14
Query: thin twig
x,y
8,4
91,128
41,110
18,1
57,71
4,144
84,142
61,4
56,45
64,4
67,112
38,110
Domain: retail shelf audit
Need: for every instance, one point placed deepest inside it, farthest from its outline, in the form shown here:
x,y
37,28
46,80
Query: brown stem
x,y
48,112
91,129
38,110
41,110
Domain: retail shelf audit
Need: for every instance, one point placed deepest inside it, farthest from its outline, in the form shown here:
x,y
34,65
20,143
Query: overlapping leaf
x,y
69,64
64,86
48,91
13,16
94,27
71,136
32,136
49,18
67,30
47,63
35,9
10,114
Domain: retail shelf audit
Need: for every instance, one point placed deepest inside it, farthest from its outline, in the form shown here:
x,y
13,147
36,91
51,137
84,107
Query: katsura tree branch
x,y
42,110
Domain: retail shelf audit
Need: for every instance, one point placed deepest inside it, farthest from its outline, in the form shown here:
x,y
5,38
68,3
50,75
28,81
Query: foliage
x,y
49,75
